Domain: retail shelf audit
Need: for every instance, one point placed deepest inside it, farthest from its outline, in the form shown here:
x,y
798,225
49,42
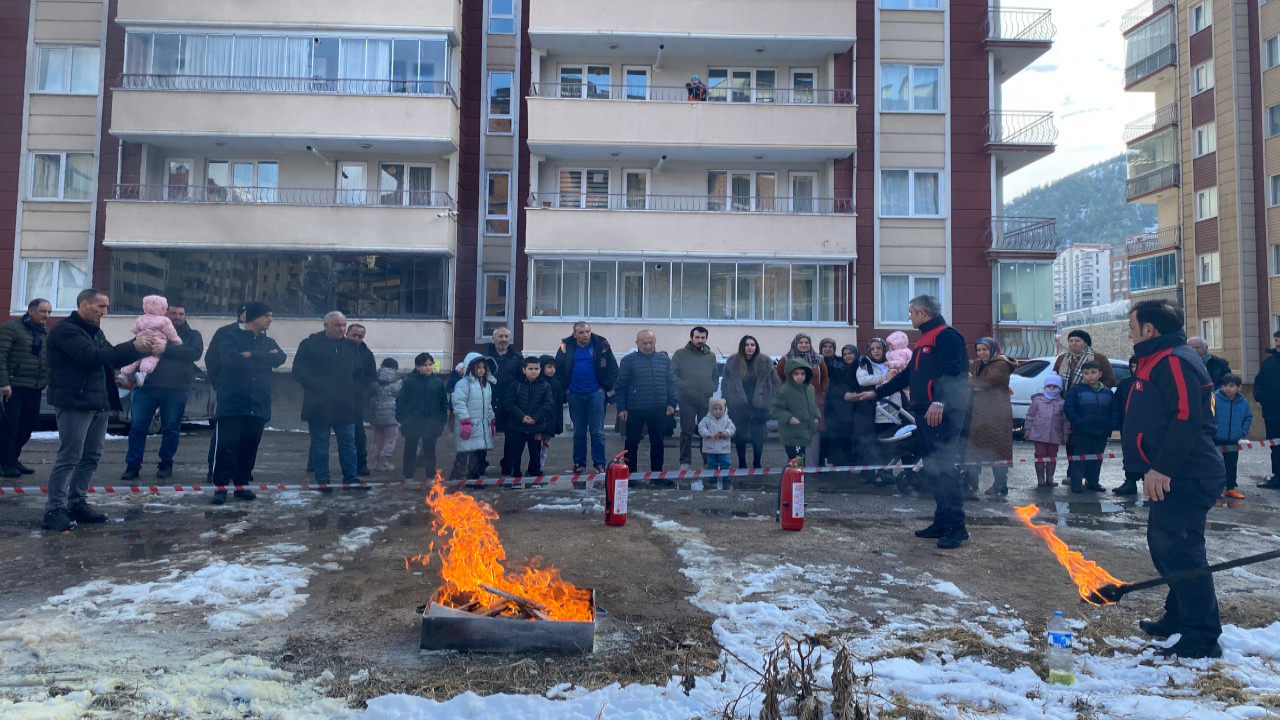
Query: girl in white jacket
x,y
473,417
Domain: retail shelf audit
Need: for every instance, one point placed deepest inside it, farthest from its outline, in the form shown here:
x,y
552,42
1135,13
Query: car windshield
x,y
1122,371
1031,368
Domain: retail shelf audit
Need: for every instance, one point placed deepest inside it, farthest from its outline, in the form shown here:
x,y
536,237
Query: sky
x,y
1081,80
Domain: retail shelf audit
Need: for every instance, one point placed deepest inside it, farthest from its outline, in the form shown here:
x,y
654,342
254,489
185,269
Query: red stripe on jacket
x,y
1184,400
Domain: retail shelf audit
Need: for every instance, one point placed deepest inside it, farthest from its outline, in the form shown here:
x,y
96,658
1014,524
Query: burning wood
x,y
1088,576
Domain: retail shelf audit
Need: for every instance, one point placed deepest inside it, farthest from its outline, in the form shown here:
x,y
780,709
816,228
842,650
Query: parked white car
x,y
1028,379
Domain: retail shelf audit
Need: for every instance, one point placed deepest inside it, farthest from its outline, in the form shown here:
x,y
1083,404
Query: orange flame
x,y
471,555
1088,576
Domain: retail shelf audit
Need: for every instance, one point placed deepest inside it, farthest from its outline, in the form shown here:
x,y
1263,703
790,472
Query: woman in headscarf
x,y
990,428
802,348
748,386
838,440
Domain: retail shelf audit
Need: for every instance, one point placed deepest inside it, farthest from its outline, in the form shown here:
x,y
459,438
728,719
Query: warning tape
x,y
570,478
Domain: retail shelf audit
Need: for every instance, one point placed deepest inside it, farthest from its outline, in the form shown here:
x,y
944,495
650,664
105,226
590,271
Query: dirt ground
x,y
360,613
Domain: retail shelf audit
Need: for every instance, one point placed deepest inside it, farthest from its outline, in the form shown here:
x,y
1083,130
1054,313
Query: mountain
x,y
1089,205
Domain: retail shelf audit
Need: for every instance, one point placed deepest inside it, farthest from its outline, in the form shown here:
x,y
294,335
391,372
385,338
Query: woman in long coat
x,y
748,386
990,420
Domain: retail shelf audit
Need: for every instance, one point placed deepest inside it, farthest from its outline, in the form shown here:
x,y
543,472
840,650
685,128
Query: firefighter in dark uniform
x,y
1168,434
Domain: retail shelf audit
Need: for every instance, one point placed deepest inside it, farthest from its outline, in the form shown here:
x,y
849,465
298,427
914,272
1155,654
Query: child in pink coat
x,y
899,354
153,323
1047,427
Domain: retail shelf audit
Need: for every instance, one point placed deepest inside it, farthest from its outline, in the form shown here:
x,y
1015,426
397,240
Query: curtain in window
x,y
925,81
78,183
926,194
45,172
895,197
804,281
193,54
717,189
570,188
137,53
766,192
40,281
573,280
73,276
84,70
895,293
220,56
893,88
691,298
53,69
420,186
245,62
378,66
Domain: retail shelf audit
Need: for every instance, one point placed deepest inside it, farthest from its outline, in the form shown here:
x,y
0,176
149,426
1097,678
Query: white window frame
x,y
72,52
647,174
794,98
727,200
1211,332
583,193
1273,190
791,195
911,184
624,87
911,293
501,16
1271,52
179,192
62,177
489,114
1202,77
59,304
406,193
1204,139
724,93
1206,204
915,5
1201,16
509,214
1208,268
485,317
1272,120
911,85
584,89
1273,255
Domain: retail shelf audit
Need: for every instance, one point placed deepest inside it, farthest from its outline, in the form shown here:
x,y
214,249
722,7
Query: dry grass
x,y
964,642
902,708
1218,684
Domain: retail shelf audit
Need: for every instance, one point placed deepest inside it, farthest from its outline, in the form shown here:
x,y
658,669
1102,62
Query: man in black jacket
x,y
1266,390
647,396
364,382
1169,429
83,392
166,389
213,367
328,368
587,370
244,399
1217,367
510,368
24,372
938,378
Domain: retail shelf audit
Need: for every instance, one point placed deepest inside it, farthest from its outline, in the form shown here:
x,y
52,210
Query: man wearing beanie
x,y
246,357
1070,365
212,367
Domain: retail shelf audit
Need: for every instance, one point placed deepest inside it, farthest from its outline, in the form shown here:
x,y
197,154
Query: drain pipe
x,y
657,63
658,168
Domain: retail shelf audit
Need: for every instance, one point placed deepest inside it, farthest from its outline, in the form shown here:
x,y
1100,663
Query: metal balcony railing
x,y
752,94
281,196
692,203
1143,10
1149,65
1025,234
1019,24
1147,183
1162,239
313,86
1026,341
1020,128
1166,116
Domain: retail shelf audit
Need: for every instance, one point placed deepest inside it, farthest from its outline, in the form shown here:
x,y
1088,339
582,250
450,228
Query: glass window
x,y
743,85
657,290
910,88
1149,38
1150,273
502,17
61,176
1273,254
630,289
909,4
500,103
1207,204
495,302
1202,78
1205,139
599,86
1201,16
637,189
896,292
1025,292
584,188
498,207
1273,120
546,288
1211,331
404,184
910,193
1273,191
1152,153
571,85
56,280
70,69
636,83
1208,269
1271,52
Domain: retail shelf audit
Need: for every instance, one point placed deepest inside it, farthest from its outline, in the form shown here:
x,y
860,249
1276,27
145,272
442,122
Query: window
x,y
1207,270
1025,290
1273,191
500,103
635,82
592,83
1271,52
254,181
498,208
294,284
495,302
61,176
743,191
1205,139
897,290
1211,331
68,69
910,193
405,184
1207,204
177,184
584,188
910,88
742,85
1202,78
1201,16
908,4
1273,120
58,281
636,188
698,290
502,17
1273,254
1150,273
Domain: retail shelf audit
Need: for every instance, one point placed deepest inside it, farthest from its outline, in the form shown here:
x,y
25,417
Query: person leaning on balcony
x,y
1070,366
24,373
588,371
1266,390
695,89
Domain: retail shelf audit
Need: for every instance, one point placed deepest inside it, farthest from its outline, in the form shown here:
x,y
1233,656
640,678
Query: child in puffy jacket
x,y
382,413
153,323
1094,413
1046,426
717,433
899,352
1234,418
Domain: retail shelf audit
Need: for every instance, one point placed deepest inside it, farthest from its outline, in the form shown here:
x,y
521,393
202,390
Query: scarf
x,y
37,334
1075,368
1052,394
813,357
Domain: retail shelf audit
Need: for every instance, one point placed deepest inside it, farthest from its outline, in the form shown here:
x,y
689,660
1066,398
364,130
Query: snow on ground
x,y
52,436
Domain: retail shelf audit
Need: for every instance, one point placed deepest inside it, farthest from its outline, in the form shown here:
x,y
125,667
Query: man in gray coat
x,y
696,381
24,372
646,397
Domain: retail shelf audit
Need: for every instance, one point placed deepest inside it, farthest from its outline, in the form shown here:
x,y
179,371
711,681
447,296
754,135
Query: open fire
x,y
1088,576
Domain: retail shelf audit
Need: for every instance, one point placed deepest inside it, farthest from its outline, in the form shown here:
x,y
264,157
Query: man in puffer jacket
x,y
646,393
24,373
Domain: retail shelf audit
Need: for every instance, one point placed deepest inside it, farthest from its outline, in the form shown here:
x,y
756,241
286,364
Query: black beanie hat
x,y
255,310
1086,337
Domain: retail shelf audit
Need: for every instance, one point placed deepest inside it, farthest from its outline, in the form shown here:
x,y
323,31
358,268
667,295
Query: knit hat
x,y
1086,337
255,310
1053,378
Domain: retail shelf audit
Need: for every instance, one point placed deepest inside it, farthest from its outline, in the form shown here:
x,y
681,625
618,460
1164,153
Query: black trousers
x,y
939,449
1231,460
1088,471
750,422
1273,431
1175,536
513,447
21,413
236,440
419,447
362,442
655,419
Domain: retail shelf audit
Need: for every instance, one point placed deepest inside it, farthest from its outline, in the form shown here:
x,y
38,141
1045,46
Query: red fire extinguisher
x,y
615,491
791,500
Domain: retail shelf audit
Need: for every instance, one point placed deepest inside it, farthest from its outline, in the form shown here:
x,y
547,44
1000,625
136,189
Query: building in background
x,y
1119,274
1082,277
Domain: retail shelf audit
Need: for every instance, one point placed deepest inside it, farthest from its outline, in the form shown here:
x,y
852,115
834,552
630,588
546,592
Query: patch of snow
x,y
359,538
948,588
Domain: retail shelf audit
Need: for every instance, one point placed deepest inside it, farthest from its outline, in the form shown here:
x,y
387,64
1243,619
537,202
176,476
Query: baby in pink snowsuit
x,y
153,323
899,352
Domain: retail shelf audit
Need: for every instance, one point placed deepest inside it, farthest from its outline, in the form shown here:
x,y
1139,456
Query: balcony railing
x,y
1020,128
1166,116
1143,10
669,93
1023,234
1162,239
311,86
1027,341
692,203
1150,64
282,196
1019,25
1145,184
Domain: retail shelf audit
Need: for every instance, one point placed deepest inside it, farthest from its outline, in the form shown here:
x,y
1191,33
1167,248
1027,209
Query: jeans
x,y
586,410
719,461
939,449
691,413
346,435
1175,535
143,402
81,435
655,419
21,413
236,439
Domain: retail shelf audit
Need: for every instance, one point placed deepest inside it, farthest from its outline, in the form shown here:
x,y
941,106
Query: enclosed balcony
x,y
1020,138
1148,186
1151,48
1162,119
1017,37
1142,12
442,16
1022,237
1168,238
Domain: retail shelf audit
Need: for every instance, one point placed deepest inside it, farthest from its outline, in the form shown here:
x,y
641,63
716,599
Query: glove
x,y
464,429
493,428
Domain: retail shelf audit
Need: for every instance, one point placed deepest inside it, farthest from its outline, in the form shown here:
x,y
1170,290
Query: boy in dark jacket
x,y
1094,413
556,427
528,404
1131,477
1234,418
422,407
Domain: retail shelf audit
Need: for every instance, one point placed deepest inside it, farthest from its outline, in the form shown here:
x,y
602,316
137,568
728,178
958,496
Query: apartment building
x,y
437,170
1204,158
1119,273
1082,277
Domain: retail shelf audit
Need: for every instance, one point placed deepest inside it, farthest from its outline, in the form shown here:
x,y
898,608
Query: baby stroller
x,y
898,441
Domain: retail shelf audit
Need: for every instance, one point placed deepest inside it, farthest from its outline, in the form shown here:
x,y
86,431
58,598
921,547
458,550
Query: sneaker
x,y
1234,494
579,469
953,538
1162,628
243,494
84,513
10,472
24,469
164,472
57,520
1191,650
684,467
131,473
219,497
600,469
933,531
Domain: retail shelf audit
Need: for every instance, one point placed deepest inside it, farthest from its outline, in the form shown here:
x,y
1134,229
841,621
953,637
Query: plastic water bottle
x,y
1058,653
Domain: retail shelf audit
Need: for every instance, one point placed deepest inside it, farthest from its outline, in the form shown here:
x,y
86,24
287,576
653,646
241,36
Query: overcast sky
x,y
1082,81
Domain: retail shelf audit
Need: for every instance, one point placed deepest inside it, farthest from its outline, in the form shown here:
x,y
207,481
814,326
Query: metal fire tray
x,y
444,628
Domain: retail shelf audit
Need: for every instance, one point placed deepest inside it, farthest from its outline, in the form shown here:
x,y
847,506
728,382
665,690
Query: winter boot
x,y
1077,485
1040,475
1049,470
1000,486
1130,487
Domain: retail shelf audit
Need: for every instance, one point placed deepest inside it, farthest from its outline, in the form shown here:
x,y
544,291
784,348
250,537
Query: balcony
x,y
1152,70
423,17
1017,37
259,112
1027,341
1020,138
792,124
1022,237
572,223
1141,12
262,218
1148,242
1165,117
1149,185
